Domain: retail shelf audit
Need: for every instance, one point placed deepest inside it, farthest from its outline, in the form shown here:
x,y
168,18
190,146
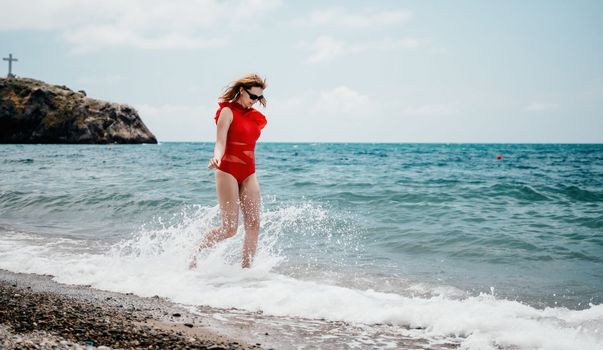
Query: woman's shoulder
x,y
224,104
229,106
223,109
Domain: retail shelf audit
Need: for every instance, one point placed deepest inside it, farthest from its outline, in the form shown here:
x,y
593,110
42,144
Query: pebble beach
x,y
37,313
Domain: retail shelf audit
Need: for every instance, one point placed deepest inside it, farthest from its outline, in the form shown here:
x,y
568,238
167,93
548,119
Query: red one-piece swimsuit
x,y
243,133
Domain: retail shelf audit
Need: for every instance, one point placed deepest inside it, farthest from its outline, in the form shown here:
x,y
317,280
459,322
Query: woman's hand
x,y
214,163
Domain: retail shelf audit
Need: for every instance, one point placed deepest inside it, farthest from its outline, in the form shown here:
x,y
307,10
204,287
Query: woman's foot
x,y
192,263
192,259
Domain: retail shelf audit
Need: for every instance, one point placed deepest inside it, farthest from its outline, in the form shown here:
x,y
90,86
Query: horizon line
x,y
410,142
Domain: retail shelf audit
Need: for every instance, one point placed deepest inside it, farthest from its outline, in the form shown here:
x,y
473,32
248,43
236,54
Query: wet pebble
x,y
43,320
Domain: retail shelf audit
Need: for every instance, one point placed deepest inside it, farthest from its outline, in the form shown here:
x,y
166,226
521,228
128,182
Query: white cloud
x,y
288,104
363,19
179,122
326,48
342,100
146,24
336,114
92,39
541,107
339,103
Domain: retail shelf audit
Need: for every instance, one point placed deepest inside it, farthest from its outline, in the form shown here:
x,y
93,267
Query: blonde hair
x,y
246,82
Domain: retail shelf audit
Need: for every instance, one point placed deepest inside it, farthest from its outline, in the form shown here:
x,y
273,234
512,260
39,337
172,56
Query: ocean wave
x,y
24,161
521,192
88,201
153,262
576,193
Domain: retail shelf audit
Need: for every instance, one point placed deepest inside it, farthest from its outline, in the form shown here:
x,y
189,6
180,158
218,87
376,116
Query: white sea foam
x,y
154,262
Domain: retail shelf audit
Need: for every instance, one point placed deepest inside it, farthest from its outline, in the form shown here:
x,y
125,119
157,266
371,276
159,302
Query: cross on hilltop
x,y
10,60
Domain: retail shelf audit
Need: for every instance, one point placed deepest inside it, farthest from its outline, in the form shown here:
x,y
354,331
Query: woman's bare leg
x,y
250,205
227,190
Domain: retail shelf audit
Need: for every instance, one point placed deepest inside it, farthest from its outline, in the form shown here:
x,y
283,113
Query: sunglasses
x,y
252,96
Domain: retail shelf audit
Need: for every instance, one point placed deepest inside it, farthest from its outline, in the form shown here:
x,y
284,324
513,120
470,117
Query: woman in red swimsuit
x,y
239,127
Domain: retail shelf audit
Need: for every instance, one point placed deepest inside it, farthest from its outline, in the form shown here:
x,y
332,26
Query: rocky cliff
x,y
32,111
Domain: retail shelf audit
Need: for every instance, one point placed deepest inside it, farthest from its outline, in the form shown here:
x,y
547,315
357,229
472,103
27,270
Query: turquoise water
x,y
527,227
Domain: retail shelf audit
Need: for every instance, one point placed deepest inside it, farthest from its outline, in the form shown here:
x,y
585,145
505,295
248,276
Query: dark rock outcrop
x,y
32,111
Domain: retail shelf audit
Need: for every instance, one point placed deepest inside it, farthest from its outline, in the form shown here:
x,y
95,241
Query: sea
x,y
487,246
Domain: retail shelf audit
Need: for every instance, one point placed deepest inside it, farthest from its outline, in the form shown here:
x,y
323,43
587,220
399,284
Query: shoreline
x,y
38,313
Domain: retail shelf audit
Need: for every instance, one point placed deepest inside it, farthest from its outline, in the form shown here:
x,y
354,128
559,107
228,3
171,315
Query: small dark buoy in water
x,y
499,157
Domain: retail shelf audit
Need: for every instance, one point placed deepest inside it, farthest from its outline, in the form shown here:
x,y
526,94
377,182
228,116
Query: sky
x,y
337,71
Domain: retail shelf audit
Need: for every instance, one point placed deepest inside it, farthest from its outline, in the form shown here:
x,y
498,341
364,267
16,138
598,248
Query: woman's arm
x,y
224,121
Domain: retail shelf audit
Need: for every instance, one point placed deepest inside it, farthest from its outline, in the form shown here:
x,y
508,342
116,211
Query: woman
x,y
239,127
